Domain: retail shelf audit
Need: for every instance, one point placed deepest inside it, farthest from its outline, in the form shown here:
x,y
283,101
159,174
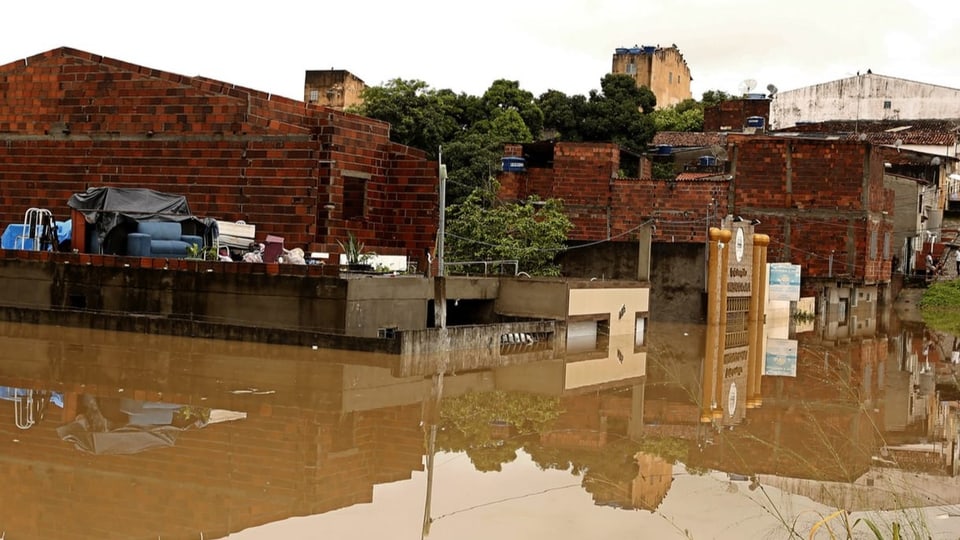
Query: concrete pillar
x,y
645,241
759,295
712,372
753,324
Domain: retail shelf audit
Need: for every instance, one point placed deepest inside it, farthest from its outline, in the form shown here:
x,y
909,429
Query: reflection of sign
x,y
784,282
781,359
738,245
732,399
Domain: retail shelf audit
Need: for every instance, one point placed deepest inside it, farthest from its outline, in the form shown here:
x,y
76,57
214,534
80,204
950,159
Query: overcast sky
x,y
565,45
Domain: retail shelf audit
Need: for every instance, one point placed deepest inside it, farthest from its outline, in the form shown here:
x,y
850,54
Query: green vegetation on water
x,y
940,306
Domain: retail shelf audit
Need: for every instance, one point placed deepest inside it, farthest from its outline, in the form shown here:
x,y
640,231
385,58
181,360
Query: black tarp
x,y
114,212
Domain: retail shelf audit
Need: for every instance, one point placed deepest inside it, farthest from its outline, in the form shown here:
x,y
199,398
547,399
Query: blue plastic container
x,y
513,164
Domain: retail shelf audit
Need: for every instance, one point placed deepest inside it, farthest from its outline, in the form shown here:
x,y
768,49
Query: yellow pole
x,y
709,351
756,346
721,307
753,325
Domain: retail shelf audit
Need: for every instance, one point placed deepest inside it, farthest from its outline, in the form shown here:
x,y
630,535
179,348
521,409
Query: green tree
x,y
504,95
684,116
531,232
620,113
714,97
418,115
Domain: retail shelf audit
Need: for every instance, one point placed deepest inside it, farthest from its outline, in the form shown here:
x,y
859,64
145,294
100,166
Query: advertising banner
x,y
781,358
784,283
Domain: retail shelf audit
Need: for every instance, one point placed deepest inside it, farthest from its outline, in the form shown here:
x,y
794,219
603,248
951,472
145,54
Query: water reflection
x,y
244,437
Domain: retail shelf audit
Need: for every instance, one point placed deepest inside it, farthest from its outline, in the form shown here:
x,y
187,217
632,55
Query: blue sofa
x,y
160,239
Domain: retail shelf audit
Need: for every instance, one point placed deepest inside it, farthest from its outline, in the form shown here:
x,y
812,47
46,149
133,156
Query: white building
x,y
864,97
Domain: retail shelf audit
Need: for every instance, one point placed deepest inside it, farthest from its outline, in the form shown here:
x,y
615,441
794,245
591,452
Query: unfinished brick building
x,y
822,202
70,120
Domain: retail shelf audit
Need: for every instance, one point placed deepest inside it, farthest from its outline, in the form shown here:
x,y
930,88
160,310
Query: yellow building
x,y
336,88
661,69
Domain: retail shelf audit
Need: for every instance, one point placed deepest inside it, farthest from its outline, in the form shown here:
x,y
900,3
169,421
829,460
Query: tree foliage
x,y
467,421
714,97
684,116
531,232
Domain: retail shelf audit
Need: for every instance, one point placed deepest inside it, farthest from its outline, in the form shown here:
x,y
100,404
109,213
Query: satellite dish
x,y
747,85
772,90
719,152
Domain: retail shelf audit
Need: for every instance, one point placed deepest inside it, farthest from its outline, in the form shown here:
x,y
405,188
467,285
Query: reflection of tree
x,y
473,423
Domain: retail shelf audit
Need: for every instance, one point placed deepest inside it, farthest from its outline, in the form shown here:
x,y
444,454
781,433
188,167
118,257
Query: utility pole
x,y
439,282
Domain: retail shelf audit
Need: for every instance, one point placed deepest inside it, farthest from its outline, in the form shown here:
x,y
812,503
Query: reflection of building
x,y
653,481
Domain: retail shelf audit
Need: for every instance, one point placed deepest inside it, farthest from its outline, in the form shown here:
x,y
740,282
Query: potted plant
x,y
357,259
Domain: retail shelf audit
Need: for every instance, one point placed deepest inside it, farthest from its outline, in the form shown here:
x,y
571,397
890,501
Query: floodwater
x,y
109,435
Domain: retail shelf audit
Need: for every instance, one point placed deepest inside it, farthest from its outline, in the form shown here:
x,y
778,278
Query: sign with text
x,y
781,358
784,282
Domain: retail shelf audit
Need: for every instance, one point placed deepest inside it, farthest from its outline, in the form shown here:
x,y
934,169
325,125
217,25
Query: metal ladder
x,y
35,223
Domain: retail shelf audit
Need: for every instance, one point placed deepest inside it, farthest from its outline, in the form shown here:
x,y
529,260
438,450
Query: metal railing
x,y
487,265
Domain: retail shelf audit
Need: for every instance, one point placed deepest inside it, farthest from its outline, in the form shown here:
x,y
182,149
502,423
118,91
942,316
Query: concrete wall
x,y
678,282
634,301
398,303
467,348
906,218
863,97
533,298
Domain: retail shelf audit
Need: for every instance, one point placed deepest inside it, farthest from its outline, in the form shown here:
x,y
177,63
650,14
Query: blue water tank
x,y
621,50
707,161
664,149
635,50
755,121
756,96
649,49
513,164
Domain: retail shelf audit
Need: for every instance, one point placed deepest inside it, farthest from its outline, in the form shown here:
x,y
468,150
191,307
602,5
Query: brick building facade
x,y
737,115
822,202
70,120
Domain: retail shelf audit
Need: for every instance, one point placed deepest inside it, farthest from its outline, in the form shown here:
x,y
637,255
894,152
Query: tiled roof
x,y
689,138
910,136
688,176
871,126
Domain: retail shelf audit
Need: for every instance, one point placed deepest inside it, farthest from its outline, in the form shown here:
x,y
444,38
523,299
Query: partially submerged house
x,y
71,120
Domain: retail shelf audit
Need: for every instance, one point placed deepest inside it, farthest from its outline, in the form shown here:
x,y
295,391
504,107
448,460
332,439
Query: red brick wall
x,y
71,120
602,206
833,202
732,115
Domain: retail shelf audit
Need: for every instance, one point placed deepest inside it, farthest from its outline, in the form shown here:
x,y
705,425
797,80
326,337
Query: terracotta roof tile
x,y
689,138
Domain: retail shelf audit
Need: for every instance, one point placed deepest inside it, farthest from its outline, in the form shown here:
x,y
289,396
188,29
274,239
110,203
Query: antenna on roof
x,y
772,90
747,85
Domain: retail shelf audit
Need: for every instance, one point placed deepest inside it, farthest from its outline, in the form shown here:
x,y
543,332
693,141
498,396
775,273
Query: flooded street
x,y
117,435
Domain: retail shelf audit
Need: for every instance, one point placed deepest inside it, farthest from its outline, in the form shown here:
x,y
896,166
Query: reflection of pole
x,y
709,353
432,417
